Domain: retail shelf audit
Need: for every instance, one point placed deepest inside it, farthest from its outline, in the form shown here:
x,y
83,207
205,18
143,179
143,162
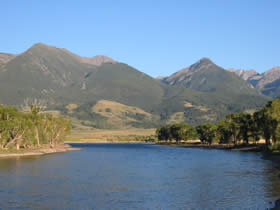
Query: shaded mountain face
x,y
268,82
91,90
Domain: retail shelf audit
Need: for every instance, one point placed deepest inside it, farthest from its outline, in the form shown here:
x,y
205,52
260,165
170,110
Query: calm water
x,y
138,176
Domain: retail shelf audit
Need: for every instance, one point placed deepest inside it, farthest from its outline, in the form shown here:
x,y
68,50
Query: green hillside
x,y
74,85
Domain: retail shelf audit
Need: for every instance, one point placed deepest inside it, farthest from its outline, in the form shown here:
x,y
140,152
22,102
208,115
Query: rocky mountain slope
x,y
268,82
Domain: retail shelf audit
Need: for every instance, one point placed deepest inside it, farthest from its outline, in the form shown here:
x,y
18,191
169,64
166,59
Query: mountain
x,y
268,82
103,93
40,71
98,60
244,74
5,58
224,91
206,76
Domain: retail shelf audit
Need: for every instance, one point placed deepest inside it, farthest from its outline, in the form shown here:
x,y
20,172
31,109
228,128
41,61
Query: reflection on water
x,y
138,176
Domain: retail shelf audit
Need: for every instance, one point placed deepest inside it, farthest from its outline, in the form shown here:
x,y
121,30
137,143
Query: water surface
x,y
139,176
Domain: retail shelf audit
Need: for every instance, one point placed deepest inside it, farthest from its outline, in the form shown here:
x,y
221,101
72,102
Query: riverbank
x,y
249,148
102,141
38,151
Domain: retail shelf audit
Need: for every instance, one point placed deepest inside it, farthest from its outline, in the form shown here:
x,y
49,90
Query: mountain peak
x,y
42,46
97,60
273,70
205,60
100,59
244,74
202,64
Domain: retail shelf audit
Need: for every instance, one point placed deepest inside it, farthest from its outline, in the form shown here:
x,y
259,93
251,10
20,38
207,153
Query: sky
x,y
156,37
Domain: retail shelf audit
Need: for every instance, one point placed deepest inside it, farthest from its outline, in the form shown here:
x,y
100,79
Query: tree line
x,y
31,129
235,129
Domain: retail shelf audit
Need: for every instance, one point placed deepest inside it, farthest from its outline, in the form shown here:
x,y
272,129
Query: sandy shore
x,y
39,151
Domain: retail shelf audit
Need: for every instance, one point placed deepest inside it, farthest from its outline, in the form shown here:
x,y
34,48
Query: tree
x,y
224,132
233,121
21,129
255,130
57,129
163,133
244,120
206,132
15,127
266,124
177,132
273,111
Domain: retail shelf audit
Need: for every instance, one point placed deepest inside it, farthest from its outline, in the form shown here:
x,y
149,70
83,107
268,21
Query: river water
x,y
139,176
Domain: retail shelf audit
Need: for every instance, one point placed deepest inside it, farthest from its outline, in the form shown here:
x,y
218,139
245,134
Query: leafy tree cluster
x,y
235,129
32,129
176,132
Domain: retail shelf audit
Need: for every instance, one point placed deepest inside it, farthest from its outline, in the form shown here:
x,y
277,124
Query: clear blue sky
x,y
156,37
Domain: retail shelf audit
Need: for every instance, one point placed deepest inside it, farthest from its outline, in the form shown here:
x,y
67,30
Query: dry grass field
x,y
98,135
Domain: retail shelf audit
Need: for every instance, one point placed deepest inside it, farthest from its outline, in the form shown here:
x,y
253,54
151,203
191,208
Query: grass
x,y
2,151
119,114
177,117
98,135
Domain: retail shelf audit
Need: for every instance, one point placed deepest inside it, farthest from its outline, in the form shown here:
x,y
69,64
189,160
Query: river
x,y
139,176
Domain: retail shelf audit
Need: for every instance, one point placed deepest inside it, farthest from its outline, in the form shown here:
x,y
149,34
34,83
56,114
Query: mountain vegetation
x,y
75,86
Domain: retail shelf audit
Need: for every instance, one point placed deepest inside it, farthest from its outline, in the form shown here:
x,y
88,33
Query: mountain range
x,y
103,93
268,82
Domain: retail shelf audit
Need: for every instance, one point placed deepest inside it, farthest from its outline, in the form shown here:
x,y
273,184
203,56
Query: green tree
x,y
224,132
57,128
18,129
266,124
206,132
255,130
177,132
273,111
244,120
15,127
163,133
